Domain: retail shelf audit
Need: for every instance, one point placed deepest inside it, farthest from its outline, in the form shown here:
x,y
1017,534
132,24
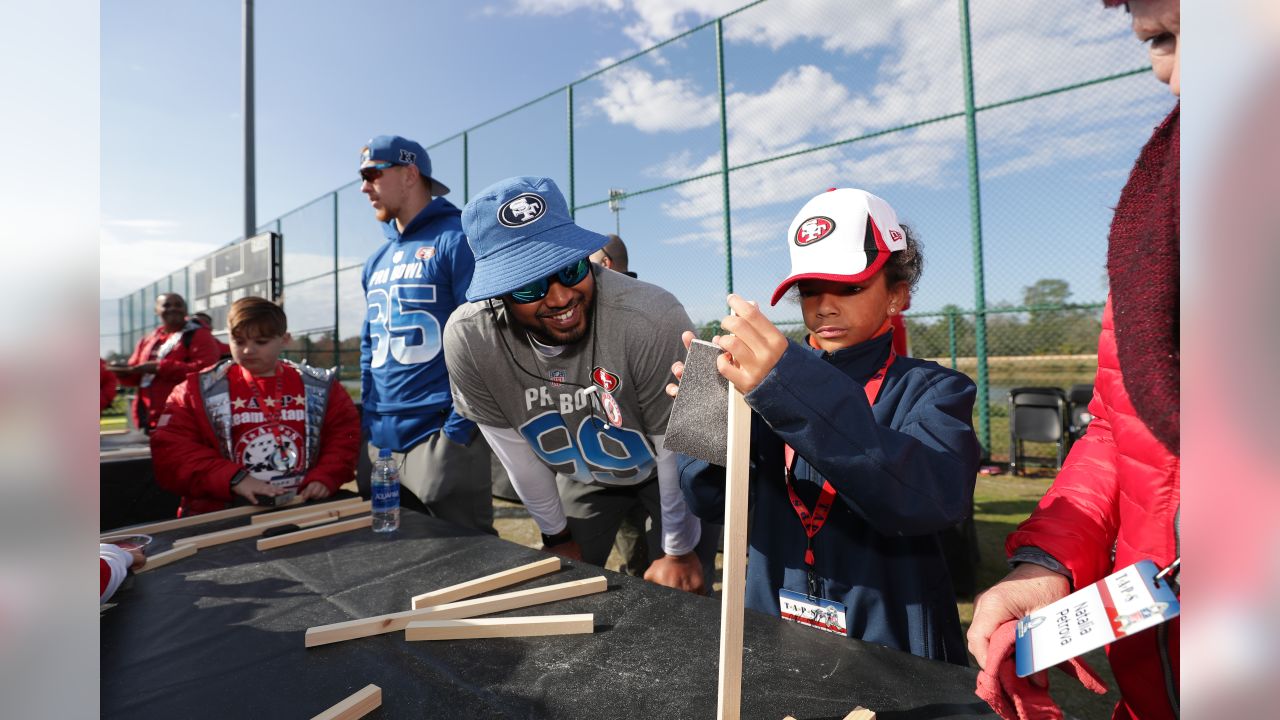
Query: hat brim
x,y
881,259
438,188
531,258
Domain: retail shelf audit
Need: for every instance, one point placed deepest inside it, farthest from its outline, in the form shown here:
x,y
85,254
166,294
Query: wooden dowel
x,y
352,506
729,704
316,532
248,531
159,560
471,588
472,628
379,624
357,705
860,713
185,522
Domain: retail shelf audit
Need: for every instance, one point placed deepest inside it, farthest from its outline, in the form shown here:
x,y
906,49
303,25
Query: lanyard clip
x,y
813,584
1170,571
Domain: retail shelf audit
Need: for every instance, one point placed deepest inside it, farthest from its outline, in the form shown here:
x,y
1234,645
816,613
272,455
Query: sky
x,y
799,74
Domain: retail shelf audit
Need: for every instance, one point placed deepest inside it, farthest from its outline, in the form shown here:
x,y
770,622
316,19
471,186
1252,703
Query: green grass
x,y
1000,503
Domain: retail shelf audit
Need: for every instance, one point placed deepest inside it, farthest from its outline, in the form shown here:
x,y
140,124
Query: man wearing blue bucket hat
x,y
412,284
563,368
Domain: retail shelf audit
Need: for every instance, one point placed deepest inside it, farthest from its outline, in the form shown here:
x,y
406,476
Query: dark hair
x,y
906,265
258,316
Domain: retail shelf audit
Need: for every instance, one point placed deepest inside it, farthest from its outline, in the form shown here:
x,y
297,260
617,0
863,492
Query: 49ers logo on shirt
x,y
605,379
814,229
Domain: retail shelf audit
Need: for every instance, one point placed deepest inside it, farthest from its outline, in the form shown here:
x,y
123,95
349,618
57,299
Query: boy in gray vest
x,y
255,426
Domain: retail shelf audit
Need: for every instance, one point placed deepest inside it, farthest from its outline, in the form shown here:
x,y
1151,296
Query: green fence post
x,y
337,357
951,334
466,170
573,206
975,218
724,155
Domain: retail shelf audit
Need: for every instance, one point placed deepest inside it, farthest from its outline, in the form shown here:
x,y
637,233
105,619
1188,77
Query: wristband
x,y
559,538
239,476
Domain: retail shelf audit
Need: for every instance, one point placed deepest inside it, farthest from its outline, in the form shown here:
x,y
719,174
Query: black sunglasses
x,y
369,173
568,276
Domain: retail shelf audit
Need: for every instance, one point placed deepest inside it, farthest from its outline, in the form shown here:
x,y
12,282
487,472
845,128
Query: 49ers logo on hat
x,y
522,210
814,229
605,379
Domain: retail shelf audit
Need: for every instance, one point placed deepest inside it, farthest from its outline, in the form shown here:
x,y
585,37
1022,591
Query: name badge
x,y
815,612
1119,605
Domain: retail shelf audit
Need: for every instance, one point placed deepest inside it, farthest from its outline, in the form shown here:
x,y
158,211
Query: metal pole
x,y
466,172
724,156
975,219
250,191
572,203
951,331
337,336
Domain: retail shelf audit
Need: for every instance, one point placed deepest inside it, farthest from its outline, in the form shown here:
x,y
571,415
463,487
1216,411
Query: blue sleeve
x,y
462,265
913,478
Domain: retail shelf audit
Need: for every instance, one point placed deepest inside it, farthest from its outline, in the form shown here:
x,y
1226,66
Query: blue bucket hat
x,y
402,151
520,231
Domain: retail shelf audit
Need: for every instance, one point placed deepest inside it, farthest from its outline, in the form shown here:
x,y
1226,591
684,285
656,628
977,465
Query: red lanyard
x,y
813,521
272,418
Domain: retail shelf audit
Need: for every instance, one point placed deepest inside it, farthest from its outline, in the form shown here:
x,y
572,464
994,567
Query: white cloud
x,y
634,97
562,7
127,264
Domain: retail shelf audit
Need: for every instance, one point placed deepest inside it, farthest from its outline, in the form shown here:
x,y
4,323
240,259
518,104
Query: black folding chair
x,y
1036,414
1078,416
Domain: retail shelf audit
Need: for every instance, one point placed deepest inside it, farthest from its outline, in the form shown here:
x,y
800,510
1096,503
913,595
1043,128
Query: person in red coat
x,y
163,358
107,385
256,426
1117,498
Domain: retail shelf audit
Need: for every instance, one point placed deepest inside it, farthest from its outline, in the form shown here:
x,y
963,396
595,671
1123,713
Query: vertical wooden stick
x,y
735,557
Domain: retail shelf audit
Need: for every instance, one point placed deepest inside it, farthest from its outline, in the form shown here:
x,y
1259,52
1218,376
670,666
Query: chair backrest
x,y
1078,399
1037,414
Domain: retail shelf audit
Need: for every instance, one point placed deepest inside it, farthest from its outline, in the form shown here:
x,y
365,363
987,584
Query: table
x,y
126,483
220,635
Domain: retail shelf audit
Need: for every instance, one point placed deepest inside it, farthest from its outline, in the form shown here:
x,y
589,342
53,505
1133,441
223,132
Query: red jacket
x,y
185,358
1119,488
188,462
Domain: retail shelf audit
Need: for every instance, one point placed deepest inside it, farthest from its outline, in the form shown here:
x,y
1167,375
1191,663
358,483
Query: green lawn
x,y
1000,503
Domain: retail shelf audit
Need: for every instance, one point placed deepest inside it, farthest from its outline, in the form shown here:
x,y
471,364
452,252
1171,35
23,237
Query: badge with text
x,y
815,612
1119,605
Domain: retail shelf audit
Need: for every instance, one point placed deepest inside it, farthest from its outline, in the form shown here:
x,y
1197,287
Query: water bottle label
x,y
386,497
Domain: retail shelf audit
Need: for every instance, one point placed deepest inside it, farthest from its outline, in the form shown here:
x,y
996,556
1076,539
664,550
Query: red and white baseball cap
x,y
844,235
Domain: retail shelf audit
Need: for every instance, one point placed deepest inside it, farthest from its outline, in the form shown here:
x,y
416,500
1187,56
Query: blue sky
x,y
800,74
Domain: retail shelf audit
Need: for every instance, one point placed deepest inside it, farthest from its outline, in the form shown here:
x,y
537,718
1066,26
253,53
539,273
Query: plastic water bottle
x,y
385,483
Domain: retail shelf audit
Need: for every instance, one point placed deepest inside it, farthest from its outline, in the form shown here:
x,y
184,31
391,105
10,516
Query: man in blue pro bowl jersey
x,y
412,284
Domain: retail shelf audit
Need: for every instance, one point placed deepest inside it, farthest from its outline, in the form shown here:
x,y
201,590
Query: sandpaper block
x,y
699,416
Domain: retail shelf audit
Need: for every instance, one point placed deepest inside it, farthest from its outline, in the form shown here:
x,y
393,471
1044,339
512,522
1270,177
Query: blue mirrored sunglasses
x,y
568,276
369,173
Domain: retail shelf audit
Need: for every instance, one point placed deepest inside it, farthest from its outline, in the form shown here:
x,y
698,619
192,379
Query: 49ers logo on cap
x,y
522,210
605,379
814,229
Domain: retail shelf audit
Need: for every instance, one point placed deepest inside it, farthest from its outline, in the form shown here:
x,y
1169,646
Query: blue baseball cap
x,y
402,151
520,231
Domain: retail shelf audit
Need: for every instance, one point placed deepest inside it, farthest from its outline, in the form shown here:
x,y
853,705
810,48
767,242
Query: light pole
x,y
617,204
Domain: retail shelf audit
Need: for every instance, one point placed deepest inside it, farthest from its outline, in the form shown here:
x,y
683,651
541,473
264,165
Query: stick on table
x,y
316,532
159,560
379,624
189,521
471,588
248,531
350,506
357,705
470,628
729,703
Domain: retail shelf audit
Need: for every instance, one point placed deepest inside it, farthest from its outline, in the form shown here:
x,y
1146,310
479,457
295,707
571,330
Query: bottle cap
x,y
384,453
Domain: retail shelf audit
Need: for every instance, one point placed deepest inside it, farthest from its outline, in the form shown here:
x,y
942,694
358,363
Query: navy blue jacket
x,y
903,470
412,284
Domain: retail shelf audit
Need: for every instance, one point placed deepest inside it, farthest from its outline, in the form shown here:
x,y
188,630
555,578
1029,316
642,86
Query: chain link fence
x,y
1000,131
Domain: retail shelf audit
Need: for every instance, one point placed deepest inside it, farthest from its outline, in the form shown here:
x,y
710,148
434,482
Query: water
x,y
385,483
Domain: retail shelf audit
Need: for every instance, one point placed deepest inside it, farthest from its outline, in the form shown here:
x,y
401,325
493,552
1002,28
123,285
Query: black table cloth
x,y
220,635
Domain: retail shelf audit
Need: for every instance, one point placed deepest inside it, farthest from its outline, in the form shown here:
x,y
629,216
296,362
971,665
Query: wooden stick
x,y
315,507
475,587
379,624
357,705
729,705
470,628
860,713
247,531
315,532
184,522
161,559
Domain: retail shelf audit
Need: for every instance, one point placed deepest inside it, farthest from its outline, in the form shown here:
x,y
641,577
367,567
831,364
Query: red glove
x,y
1015,698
